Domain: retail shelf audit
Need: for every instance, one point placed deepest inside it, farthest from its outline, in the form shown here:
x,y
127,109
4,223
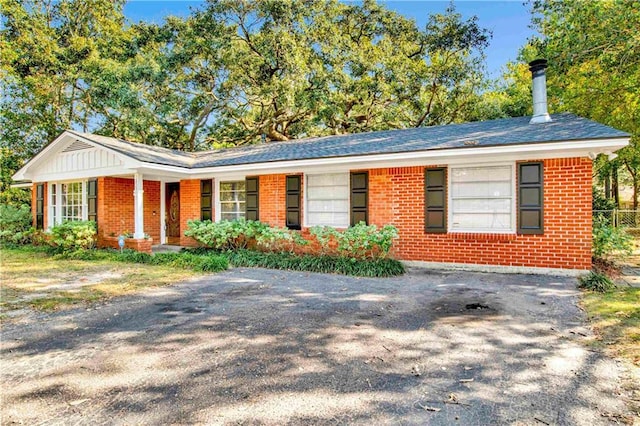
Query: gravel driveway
x,y
255,346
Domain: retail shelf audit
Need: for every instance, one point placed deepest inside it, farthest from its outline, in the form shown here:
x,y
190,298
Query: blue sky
x,y
508,20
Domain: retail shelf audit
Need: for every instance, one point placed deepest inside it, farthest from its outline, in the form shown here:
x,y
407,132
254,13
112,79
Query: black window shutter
x,y
206,199
92,200
251,201
40,206
435,200
530,198
293,202
359,197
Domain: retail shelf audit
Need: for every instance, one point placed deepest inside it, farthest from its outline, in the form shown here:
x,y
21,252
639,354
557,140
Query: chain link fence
x,y
620,218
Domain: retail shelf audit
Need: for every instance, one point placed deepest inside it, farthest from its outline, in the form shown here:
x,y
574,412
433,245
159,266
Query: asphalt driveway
x,y
254,346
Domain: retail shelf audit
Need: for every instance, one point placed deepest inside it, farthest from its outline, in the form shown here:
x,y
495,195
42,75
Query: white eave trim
x,y
538,151
479,155
54,146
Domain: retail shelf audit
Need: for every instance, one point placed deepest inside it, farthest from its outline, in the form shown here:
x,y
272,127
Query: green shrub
x,y
608,240
208,262
313,263
132,256
15,224
367,241
278,239
74,235
225,234
596,281
361,241
325,235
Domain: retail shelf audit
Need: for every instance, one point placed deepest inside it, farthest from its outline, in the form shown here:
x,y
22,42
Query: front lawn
x,y
31,277
615,316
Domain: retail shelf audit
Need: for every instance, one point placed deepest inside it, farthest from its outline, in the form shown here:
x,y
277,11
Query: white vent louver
x,y
77,146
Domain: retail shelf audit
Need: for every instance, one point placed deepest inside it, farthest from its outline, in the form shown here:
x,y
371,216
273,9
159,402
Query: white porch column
x,y
163,212
138,206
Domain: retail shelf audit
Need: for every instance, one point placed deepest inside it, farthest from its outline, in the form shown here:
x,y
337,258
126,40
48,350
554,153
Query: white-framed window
x,y
232,200
482,199
327,200
67,202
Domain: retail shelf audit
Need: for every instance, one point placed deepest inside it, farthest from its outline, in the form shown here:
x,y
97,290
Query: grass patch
x,y
616,317
31,277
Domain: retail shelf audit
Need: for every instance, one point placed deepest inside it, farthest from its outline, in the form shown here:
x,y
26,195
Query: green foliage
x,y
10,162
367,241
73,235
278,239
596,281
315,263
600,202
593,49
202,263
205,261
230,72
15,224
361,241
225,234
608,240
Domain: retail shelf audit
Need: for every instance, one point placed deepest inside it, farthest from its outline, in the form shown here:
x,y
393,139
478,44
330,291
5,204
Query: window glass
x,y
482,199
328,200
232,200
67,202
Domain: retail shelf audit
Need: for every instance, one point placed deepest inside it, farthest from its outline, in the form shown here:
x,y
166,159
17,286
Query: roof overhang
x,y
462,155
30,171
476,155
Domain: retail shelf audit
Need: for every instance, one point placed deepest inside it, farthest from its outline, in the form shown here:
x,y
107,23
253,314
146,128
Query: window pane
x,y
482,199
328,200
232,200
482,189
481,174
481,221
482,205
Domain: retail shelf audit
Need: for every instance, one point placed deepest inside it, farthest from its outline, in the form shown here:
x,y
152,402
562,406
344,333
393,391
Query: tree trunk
x,y
636,187
615,187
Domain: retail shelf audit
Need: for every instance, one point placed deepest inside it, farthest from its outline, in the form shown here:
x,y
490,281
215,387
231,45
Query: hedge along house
x,y
512,192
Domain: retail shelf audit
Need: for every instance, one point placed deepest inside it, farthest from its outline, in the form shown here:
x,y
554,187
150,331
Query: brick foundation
x,y
138,244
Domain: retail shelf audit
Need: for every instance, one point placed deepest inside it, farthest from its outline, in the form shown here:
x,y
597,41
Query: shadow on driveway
x,y
270,347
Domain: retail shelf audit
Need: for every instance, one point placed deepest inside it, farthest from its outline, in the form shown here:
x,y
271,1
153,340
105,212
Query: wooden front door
x,y
173,213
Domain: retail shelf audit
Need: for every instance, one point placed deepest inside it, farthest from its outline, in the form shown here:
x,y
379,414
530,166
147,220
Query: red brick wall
x,y
273,199
397,196
152,209
116,207
189,208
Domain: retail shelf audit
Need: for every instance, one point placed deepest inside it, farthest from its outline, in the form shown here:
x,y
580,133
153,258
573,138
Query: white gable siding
x,y
80,163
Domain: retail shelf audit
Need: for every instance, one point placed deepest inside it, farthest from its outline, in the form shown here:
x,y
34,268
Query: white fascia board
x,y
83,174
479,155
46,151
56,145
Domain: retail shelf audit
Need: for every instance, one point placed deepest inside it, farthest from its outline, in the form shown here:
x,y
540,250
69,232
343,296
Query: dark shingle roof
x,y
502,132
142,152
